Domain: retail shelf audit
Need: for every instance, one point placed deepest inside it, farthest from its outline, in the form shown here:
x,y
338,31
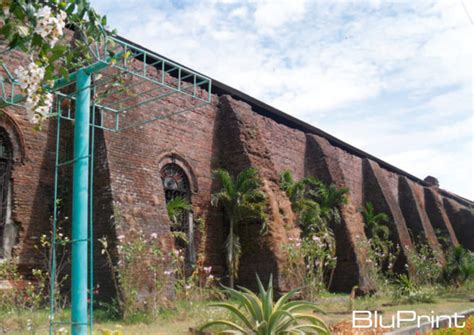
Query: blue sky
x,y
394,78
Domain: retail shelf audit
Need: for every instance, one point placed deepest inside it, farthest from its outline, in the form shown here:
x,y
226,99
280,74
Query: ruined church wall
x,y
227,133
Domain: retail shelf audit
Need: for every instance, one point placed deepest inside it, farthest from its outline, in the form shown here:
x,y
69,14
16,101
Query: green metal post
x,y
80,189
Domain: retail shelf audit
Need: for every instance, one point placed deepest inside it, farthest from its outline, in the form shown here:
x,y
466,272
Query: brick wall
x,y
227,133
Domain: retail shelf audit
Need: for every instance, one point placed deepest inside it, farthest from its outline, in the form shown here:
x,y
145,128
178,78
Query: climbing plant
x,y
38,29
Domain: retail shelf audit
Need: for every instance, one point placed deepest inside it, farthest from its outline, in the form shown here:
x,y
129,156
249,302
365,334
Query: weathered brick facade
x,y
233,132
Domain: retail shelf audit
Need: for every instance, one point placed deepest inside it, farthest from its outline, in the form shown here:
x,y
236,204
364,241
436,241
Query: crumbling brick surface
x,y
378,189
242,146
438,217
351,269
415,216
227,133
462,220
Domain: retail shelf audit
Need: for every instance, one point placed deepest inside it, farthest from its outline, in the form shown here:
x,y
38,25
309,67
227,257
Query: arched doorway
x,y
7,228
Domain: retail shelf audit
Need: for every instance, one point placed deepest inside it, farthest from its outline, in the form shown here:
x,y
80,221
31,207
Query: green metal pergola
x,y
147,79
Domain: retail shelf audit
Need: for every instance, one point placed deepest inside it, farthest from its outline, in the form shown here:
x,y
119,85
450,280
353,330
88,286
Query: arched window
x,y
176,184
5,194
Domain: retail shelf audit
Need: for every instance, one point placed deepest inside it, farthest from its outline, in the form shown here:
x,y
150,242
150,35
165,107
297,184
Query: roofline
x,y
279,116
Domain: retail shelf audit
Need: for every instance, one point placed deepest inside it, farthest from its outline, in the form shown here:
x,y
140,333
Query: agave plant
x,y
260,315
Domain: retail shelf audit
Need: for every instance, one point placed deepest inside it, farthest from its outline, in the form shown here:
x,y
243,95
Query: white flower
x,y
316,239
168,273
38,103
6,9
120,237
210,277
50,26
207,269
154,235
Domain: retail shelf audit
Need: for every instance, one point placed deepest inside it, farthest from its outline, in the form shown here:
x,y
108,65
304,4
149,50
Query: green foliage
x,y
22,294
142,275
426,267
459,266
408,291
243,201
317,207
176,208
20,17
310,261
260,315
381,251
376,228
316,203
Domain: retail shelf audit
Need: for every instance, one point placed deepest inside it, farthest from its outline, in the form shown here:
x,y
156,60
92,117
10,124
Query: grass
x,y
178,320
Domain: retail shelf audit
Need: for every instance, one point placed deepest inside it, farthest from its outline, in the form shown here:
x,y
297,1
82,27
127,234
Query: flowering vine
x,y
38,28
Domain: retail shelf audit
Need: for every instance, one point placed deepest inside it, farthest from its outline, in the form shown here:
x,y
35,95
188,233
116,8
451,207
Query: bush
x,y
426,267
408,291
459,266
142,275
22,294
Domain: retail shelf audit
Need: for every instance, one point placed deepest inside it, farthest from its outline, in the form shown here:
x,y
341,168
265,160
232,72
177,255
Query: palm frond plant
x,y
330,198
376,228
176,208
243,201
295,190
317,207
459,266
258,314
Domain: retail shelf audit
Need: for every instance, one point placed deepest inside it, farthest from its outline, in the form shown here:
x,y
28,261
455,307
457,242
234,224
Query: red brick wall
x,y
225,133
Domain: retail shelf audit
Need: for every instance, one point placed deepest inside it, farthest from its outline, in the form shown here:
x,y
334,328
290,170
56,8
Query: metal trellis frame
x,y
150,88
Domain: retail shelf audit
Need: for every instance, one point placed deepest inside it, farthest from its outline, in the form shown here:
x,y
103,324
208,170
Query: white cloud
x,y
391,77
270,15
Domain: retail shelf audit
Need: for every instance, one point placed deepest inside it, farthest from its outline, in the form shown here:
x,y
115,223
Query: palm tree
x,y
330,198
317,206
375,222
295,190
243,201
376,228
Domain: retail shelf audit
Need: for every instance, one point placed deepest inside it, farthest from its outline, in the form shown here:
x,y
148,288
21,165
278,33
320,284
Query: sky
x,y
393,78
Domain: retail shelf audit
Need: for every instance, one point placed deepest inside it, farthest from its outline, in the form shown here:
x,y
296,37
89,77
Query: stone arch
x,y
15,135
11,153
175,158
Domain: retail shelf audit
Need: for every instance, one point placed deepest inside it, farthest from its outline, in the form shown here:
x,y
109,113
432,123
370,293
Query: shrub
x,y
317,207
319,259
22,294
459,266
260,315
426,267
408,291
143,273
